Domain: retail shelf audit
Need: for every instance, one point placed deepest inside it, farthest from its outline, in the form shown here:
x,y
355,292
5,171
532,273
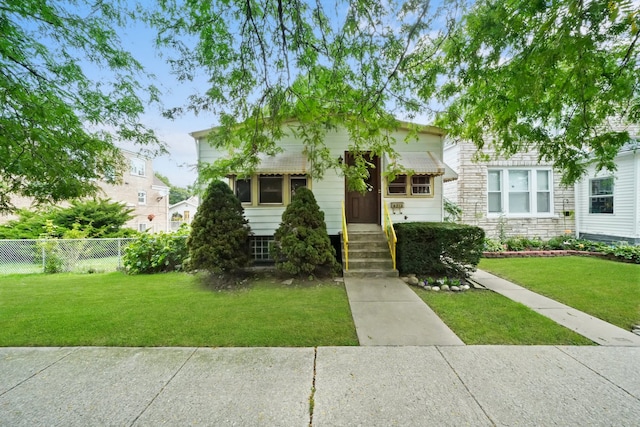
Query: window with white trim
x,y
601,195
138,167
142,197
142,227
414,185
520,192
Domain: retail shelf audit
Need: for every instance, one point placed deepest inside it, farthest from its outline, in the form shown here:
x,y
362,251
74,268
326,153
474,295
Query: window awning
x,y
424,163
288,162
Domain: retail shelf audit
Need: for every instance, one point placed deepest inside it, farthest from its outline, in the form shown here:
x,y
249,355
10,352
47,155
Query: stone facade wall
x,y
472,198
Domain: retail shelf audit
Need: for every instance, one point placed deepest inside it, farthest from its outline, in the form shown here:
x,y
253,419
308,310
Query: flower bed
x,y
561,246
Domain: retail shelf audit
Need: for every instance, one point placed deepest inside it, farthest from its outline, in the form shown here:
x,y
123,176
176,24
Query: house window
x,y
398,186
420,185
142,227
519,191
186,216
495,191
260,248
270,189
138,167
416,185
601,195
142,197
297,182
243,190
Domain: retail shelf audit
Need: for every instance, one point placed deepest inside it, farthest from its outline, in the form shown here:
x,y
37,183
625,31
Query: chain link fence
x,y
62,255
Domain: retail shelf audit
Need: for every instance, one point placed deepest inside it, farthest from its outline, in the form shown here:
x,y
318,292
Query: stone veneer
x,y
472,197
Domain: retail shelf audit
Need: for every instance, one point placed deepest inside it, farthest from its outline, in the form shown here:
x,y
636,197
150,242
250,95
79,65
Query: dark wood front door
x,y
364,208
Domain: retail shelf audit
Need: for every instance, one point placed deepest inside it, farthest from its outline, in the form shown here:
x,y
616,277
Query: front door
x,y
364,208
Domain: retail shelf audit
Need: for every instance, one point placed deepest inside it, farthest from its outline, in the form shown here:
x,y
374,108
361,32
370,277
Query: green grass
x,y
99,265
169,310
605,289
484,317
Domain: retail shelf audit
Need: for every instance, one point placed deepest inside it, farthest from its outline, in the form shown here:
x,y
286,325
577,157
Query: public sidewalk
x,y
325,386
578,321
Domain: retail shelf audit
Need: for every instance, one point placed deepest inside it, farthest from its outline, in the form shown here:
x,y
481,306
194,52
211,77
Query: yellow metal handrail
x,y
345,239
390,232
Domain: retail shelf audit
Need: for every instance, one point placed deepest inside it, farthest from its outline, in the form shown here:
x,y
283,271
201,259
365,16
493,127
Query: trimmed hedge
x,y
438,248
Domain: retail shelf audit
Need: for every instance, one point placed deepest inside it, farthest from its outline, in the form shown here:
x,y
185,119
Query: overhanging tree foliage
x,y
68,90
562,77
519,74
355,64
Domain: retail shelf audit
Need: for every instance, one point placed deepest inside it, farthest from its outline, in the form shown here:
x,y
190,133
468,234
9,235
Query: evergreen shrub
x,y
438,248
301,243
219,239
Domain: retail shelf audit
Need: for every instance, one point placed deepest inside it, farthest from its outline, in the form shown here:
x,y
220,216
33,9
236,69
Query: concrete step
x,y
369,272
378,252
371,263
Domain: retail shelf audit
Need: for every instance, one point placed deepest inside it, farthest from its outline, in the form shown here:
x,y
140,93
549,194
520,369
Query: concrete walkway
x,y
325,386
584,324
387,312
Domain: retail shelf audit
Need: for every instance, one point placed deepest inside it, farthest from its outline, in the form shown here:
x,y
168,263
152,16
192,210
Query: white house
x,y
183,212
265,195
608,203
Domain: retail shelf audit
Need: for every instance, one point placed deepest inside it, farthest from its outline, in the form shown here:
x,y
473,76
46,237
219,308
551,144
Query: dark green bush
x,y
301,244
156,253
219,239
438,248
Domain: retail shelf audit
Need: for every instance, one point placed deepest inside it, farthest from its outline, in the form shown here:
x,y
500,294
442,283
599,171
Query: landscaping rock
x,y
405,279
413,280
435,288
287,282
445,287
427,287
455,289
466,287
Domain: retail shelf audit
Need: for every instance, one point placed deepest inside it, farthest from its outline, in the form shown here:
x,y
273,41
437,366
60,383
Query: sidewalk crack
x,y
135,420
313,387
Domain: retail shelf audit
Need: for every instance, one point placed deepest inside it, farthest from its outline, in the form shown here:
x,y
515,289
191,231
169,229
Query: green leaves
x,y
561,77
344,63
68,90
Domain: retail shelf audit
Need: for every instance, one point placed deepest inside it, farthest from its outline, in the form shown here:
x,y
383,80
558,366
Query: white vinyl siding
x,y
520,192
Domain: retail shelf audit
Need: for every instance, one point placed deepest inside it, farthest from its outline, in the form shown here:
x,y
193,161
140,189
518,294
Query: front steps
x,y
369,254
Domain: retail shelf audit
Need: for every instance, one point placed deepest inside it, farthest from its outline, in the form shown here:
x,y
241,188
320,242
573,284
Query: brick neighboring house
x,y
510,197
139,190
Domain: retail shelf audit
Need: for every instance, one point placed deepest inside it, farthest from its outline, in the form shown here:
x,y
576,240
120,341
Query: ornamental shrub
x,y
438,248
301,243
219,239
156,253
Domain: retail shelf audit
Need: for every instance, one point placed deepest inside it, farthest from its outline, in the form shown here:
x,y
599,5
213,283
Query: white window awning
x,y
288,162
424,163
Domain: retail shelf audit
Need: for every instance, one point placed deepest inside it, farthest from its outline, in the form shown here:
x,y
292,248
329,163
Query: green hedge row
x,y
438,248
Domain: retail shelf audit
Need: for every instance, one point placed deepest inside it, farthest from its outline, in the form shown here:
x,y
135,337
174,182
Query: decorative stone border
x,y
548,253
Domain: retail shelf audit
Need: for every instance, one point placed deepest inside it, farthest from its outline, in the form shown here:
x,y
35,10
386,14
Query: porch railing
x,y
345,239
390,232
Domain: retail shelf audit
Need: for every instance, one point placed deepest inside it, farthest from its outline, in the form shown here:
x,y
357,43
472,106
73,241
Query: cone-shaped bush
x,y
301,244
219,239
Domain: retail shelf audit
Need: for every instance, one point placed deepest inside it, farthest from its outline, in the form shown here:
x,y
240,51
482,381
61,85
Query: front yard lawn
x,y
605,289
173,309
485,317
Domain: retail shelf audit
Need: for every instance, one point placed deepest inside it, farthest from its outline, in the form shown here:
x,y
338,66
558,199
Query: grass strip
x,y
484,317
608,290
